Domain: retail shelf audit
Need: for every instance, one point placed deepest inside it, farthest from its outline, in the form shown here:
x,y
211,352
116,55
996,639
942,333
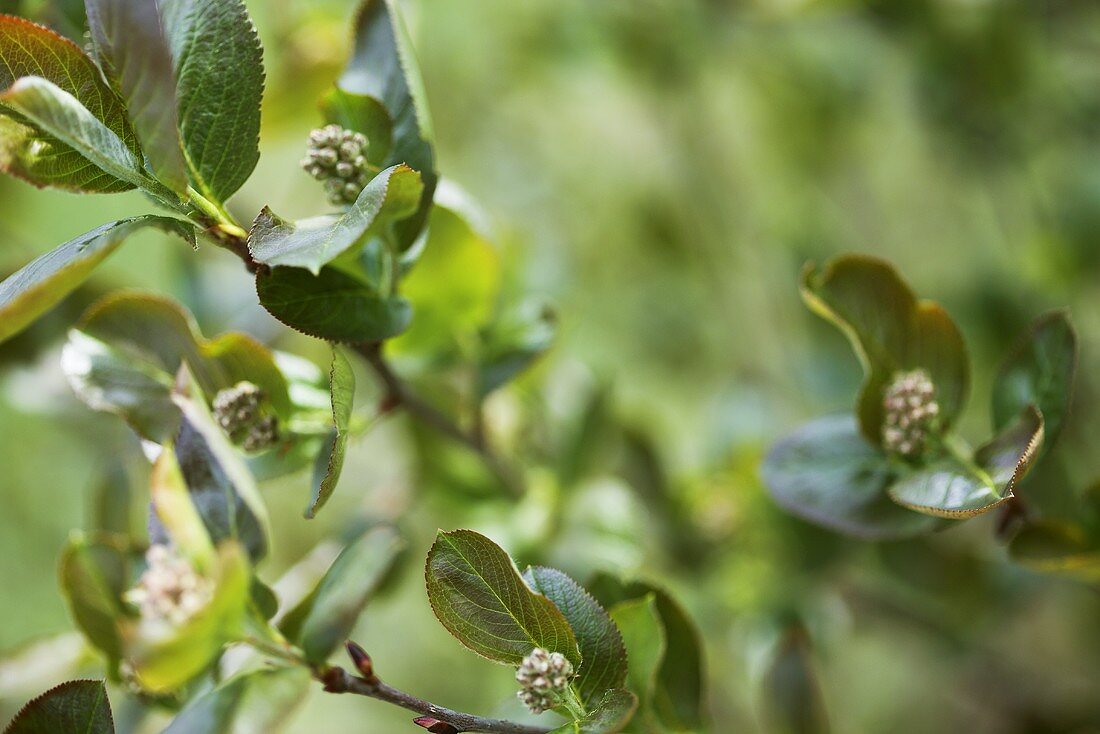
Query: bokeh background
x,y
660,170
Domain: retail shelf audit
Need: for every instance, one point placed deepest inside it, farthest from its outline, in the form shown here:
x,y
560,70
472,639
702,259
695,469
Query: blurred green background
x,y
660,170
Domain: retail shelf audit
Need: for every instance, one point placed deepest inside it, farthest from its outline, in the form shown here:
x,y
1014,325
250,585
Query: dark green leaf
x,y
44,282
611,715
75,706
678,695
389,197
1039,371
890,331
94,574
30,50
1061,548
258,701
134,54
827,473
363,114
384,67
954,490
325,618
220,87
332,305
603,656
330,461
478,594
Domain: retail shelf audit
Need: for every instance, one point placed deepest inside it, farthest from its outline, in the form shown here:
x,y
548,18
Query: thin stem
x,y
338,680
402,396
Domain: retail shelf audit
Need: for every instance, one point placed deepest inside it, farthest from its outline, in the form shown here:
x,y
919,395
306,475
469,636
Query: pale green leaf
x,y
256,702
330,461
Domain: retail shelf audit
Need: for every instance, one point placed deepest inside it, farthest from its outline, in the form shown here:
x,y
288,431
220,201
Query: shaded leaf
x,y
361,113
249,703
1062,548
644,637
890,331
953,490
384,67
94,574
511,344
478,594
324,619
45,281
27,49
220,87
332,305
827,473
134,54
793,702
330,462
603,655
74,706
1039,371
389,197
611,715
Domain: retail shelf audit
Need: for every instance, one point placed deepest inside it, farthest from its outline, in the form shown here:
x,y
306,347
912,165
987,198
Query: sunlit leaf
x,y
45,281
478,594
952,489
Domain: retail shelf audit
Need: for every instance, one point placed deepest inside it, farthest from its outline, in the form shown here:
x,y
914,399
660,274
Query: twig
x,y
401,396
338,680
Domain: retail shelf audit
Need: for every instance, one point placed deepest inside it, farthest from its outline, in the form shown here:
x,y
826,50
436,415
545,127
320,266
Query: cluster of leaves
x,y
835,471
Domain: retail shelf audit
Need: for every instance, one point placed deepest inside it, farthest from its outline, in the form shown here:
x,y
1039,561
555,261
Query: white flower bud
x,y
337,158
544,679
910,413
169,590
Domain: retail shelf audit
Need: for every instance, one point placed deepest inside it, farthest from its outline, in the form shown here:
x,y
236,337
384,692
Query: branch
x,y
401,396
432,717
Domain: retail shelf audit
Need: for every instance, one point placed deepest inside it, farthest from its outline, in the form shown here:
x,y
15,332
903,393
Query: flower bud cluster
x,y
911,413
240,411
169,590
544,679
337,158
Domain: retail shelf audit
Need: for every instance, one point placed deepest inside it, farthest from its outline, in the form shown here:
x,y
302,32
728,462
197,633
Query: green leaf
x,y
364,114
611,715
384,67
45,281
332,305
325,618
163,660
603,655
954,490
26,50
257,701
1039,371
478,594
792,697
890,331
94,574
389,197
644,637
330,461
827,473
454,287
124,353
74,706
134,54
61,115
512,344
174,515
678,695
220,87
